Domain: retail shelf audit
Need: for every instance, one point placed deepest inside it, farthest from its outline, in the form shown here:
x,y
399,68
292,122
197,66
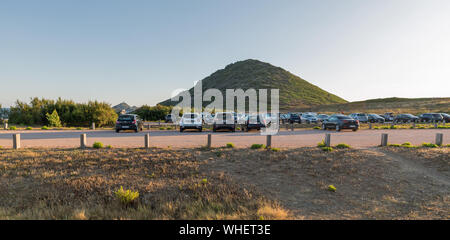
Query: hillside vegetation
x,y
294,91
382,105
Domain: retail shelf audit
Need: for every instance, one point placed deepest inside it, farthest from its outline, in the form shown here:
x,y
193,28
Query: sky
x,y
141,51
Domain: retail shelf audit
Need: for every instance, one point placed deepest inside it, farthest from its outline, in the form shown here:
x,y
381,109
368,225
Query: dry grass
x,y
80,184
222,183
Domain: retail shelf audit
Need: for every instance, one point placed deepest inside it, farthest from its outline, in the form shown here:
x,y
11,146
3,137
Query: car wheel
x,y
338,129
200,129
181,129
214,130
355,129
117,130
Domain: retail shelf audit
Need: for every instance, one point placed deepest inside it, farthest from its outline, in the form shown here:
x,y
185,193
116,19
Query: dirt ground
x,y
226,183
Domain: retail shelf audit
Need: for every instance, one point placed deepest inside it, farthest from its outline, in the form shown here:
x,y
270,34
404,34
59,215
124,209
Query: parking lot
x,y
175,139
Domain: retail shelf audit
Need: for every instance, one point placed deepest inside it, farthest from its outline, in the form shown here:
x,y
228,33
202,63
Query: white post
x,y
327,139
209,140
6,126
384,139
83,141
93,126
16,141
439,139
147,140
269,141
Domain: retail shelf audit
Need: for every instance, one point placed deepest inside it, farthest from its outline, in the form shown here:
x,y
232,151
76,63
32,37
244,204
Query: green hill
x,y
294,91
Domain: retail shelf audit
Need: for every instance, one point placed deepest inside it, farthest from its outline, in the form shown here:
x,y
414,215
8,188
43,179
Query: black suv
x,y
129,122
340,122
431,117
293,118
254,122
405,118
374,118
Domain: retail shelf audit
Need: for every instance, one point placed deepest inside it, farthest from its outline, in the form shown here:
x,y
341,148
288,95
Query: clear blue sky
x,y
140,51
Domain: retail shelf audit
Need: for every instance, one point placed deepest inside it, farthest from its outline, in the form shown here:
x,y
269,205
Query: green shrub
x,y
13,128
376,127
342,145
162,128
204,181
258,146
275,149
29,128
393,127
406,144
327,149
109,146
385,127
169,128
321,144
332,188
394,145
97,145
317,128
230,145
53,119
429,145
44,128
79,128
126,197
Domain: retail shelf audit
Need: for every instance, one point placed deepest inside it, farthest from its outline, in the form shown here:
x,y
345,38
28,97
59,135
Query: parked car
x,y
308,118
284,118
207,118
375,118
294,117
361,117
388,117
224,120
170,118
191,121
405,118
339,122
446,117
129,122
431,117
322,117
255,121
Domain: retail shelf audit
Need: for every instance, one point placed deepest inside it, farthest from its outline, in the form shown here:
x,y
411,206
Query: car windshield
x,y
437,115
190,115
126,118
343,117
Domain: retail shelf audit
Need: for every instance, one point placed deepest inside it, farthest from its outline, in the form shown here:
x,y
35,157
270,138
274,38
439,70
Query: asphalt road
x,y
175,139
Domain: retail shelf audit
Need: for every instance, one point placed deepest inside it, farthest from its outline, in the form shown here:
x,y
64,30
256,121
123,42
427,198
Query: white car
x,y
191,121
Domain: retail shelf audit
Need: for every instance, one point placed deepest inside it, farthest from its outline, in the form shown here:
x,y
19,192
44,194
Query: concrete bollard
x,y
16,141
327,140
147,140
384,139
209,140
292,127
83,141
6,126
93,126
269,141
370,125
439,139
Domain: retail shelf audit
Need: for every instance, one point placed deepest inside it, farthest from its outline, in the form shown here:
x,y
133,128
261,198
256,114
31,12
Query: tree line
x,y
37,112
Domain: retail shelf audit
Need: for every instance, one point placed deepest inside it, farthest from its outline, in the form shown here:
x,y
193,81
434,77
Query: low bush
x,y
393,127
12,128
44,128
342,146
321,144
230,145
109,147
161,128
327,149
126,197
316,128
258,146
429,145
275,149
29,128
79,128
332,188
97,145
